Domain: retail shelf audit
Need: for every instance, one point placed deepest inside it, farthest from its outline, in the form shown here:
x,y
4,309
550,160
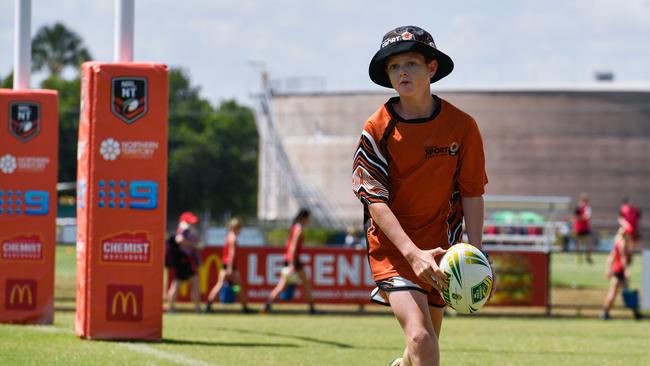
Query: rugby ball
x,y
130,105
469,278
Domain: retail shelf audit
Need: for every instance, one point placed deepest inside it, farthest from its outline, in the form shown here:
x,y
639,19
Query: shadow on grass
x,y
614,353
290,336
186,342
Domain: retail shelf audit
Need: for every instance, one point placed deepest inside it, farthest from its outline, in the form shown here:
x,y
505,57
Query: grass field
x,y
299,339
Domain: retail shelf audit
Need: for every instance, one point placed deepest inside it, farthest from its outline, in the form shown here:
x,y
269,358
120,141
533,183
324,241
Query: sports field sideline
x,y
296,338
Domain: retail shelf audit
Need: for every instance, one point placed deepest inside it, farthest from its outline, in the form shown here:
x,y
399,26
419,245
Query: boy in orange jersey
x,y
419,170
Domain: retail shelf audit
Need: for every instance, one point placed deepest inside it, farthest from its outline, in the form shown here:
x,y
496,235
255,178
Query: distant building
x,y
538,141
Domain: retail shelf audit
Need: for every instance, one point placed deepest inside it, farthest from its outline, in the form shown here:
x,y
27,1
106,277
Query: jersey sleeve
x,y
472,177
370,169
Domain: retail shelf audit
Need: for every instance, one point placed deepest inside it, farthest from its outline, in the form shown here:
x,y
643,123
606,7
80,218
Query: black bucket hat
x,y
407,39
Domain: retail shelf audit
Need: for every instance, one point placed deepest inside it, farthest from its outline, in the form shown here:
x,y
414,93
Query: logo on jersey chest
x,y
436,151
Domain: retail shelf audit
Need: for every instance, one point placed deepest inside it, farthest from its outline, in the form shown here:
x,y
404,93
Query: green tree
x,y
8,81
213,153
56,47
69,91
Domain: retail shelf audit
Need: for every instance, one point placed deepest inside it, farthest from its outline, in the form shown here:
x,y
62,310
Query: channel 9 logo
x,y
20,294
124,303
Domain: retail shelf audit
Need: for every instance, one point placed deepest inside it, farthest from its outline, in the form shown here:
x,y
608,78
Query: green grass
x,y
567,272
297,339
330,340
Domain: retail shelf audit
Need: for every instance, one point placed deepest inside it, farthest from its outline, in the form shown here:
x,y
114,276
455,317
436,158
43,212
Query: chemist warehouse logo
x,y
126,248
20,294
129,98
24,120
124,303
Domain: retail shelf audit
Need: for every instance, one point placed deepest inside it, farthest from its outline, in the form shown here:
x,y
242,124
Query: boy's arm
x,y
473,210
423,262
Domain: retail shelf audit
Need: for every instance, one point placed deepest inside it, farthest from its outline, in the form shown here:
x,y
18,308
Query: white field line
x,y
136,347
143,348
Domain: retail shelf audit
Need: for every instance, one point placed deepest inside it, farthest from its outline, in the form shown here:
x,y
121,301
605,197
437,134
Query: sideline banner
x,y
121,200
522,278
342,276
338,276
28,176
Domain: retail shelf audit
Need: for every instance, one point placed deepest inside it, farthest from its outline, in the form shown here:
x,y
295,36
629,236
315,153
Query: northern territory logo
x,y
24,120
129,98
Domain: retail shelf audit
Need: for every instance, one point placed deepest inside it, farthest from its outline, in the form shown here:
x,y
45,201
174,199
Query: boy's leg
x,y
436,318
412,312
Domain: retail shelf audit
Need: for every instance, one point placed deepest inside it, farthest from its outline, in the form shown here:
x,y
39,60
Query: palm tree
x,y
56,48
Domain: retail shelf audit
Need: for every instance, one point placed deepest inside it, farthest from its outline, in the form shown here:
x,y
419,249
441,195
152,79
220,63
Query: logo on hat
x,y
24,120
129,98
406,36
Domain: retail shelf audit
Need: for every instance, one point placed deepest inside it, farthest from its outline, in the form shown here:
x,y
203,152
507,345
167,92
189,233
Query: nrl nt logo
x,y
24,120
129,98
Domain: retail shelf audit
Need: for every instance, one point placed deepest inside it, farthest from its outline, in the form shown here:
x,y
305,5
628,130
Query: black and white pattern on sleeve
x,y
370,171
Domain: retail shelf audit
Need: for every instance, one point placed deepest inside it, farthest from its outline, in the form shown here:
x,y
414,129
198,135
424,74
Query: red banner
x,y
522,278
342,276
28,176
338,276
122,189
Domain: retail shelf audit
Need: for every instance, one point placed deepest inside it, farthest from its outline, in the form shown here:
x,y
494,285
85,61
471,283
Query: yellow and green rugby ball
x,y
469,278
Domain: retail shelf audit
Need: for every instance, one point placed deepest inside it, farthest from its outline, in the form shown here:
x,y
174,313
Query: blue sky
x,y
332,41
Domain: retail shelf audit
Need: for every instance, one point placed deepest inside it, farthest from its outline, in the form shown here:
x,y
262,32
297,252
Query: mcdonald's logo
x,y
124,303
210,262
20,294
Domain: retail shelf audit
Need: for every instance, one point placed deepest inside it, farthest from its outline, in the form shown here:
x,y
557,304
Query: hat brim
x,y
377,68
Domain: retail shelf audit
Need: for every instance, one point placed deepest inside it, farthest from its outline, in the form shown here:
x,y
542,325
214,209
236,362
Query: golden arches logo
x,y
212,261
22,291
125,302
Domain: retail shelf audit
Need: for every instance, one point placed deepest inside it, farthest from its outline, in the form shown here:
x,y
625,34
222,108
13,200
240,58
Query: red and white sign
x,y
23,247
342,276
126,248
337,275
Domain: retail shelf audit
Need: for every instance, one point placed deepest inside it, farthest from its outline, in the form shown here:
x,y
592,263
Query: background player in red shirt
x,y
292,263
629,217
617,270
582,228
186,260
419,170
229,272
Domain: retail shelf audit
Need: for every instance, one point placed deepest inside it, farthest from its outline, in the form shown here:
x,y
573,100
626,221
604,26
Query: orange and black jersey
x,y
421,168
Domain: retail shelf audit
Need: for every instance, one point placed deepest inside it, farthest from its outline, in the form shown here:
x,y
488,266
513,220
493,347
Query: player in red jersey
x,y
629,217
617,270
292,263
229,272
419,170
582,228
